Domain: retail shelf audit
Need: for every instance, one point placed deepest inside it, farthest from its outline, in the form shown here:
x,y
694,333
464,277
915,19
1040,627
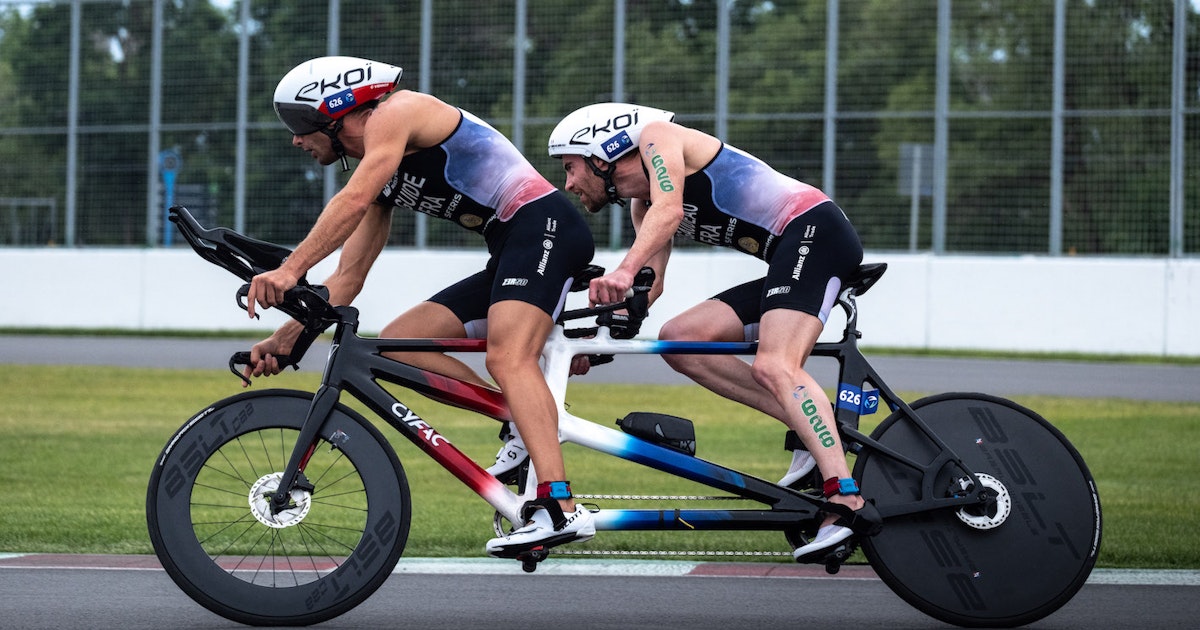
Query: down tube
x,y
441,450
612,442
592,436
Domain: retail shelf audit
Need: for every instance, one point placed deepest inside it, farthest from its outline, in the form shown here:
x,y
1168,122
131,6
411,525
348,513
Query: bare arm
x,y
361,250
400,125
658,261
656,221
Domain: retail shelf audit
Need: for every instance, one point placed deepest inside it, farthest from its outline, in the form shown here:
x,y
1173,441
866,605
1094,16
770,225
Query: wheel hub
x,y
994,508
260,503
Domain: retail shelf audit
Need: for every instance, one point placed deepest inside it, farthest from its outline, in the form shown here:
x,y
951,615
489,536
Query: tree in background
x,y
1118,59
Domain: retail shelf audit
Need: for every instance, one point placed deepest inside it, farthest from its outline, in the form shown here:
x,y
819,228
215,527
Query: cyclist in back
x,y
684,182
419,153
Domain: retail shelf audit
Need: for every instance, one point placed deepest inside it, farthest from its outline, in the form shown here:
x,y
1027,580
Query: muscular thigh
x,y
731,315
537,253
815,251
425,320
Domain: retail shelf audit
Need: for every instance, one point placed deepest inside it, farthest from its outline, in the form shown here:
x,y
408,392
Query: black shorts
x,y
816,251
534,257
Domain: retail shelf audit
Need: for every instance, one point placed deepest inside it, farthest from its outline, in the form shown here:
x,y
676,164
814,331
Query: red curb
x,y
752,569
84,561
706,569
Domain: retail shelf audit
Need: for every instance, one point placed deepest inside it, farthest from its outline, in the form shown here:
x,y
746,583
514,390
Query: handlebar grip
x,y
599,359
243,358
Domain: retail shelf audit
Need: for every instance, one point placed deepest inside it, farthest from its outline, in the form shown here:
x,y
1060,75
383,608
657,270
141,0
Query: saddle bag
x,y
670,431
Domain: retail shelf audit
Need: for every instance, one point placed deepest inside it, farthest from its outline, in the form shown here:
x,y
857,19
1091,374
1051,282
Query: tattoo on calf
x,y
809,407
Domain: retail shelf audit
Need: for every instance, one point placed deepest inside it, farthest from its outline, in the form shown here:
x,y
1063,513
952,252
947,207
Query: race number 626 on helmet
x,y
315,95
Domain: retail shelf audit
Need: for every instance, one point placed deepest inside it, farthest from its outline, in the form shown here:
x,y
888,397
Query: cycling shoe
x,y
827,537
509,457
541,531
864,521
803,463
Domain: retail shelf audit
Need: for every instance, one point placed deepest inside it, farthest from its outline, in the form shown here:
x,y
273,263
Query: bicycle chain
x,y
664,552
664,497
661,497
617,552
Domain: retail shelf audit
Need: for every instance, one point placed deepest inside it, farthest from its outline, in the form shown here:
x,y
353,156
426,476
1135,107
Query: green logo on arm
x,y
660,170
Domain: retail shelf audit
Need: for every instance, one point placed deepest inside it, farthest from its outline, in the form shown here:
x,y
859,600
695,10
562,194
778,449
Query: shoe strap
x,y
865,521
845,485
557,518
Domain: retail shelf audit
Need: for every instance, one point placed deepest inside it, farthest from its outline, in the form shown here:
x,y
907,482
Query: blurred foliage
x,y
1117,98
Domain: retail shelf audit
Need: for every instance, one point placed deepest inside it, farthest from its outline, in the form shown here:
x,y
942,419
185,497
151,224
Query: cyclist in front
x,y
416,152
684,182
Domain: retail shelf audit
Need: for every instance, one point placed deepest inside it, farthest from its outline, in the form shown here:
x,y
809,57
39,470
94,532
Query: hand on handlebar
x,y
264,356
610,288
268,289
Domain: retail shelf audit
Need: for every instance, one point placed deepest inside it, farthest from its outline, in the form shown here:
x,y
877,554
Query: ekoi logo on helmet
x,y
605,130
321,90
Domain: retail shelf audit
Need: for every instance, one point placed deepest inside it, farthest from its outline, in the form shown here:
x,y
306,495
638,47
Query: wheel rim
x,y
330,553
1009,562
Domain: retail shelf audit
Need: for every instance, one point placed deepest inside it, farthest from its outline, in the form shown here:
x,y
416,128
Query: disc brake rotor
x,y
993,511
260,503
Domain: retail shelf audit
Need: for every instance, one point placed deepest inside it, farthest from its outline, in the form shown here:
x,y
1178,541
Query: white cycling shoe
x,y
540,533
803,463
509,457
827,538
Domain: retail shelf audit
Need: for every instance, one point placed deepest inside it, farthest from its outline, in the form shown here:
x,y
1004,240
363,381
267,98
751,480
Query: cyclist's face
x,y
318,145
583,182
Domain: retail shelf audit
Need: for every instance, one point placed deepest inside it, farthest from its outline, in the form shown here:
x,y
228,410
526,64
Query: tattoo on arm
x,y
660,169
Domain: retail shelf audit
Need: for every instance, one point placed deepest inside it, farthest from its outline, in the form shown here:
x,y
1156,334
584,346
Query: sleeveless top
x,y
740,202
472,178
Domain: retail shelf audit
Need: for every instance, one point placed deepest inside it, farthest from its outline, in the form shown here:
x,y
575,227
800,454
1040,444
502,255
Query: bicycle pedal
x,y
836,557
531,558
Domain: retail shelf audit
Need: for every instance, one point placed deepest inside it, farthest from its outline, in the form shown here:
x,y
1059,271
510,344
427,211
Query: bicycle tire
x,y
308,565
1023,567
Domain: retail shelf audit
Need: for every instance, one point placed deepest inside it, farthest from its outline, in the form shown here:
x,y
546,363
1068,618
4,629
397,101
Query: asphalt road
x,y
927,375
495,595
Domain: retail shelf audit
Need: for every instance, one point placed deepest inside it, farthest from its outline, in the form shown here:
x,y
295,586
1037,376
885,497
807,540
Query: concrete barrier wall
x,y
1144,306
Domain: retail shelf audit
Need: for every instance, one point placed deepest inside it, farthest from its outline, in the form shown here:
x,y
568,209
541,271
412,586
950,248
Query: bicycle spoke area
x,y
233,521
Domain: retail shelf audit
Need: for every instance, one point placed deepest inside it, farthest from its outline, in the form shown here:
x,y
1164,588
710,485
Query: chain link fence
x,y
1054,127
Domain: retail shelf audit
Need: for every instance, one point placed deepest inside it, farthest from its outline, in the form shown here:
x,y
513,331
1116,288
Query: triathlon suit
x,y
738,201
536,238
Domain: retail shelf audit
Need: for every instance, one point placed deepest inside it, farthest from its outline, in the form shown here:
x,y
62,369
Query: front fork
x,y
293,475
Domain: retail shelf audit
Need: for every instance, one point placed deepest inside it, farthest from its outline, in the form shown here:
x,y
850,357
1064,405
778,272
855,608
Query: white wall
x,y
1027,303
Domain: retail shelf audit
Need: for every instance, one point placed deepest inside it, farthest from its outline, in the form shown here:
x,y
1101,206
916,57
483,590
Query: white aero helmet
x,y
320,91
605,130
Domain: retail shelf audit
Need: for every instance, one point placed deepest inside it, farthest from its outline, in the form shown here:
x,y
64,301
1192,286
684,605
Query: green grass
x,y
79,442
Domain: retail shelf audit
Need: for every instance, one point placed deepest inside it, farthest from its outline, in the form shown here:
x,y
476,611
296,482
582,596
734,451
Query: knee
x,y
679,330
772,375
675,330
499,365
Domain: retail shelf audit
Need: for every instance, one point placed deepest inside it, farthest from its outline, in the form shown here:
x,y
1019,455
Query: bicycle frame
x,y
960,561
355,364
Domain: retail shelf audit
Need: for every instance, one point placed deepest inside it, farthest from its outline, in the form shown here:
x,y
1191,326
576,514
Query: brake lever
x,y
243,358
241,296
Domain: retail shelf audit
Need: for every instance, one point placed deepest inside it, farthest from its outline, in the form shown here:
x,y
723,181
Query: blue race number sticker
x,y
617,144
335,103
855,399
